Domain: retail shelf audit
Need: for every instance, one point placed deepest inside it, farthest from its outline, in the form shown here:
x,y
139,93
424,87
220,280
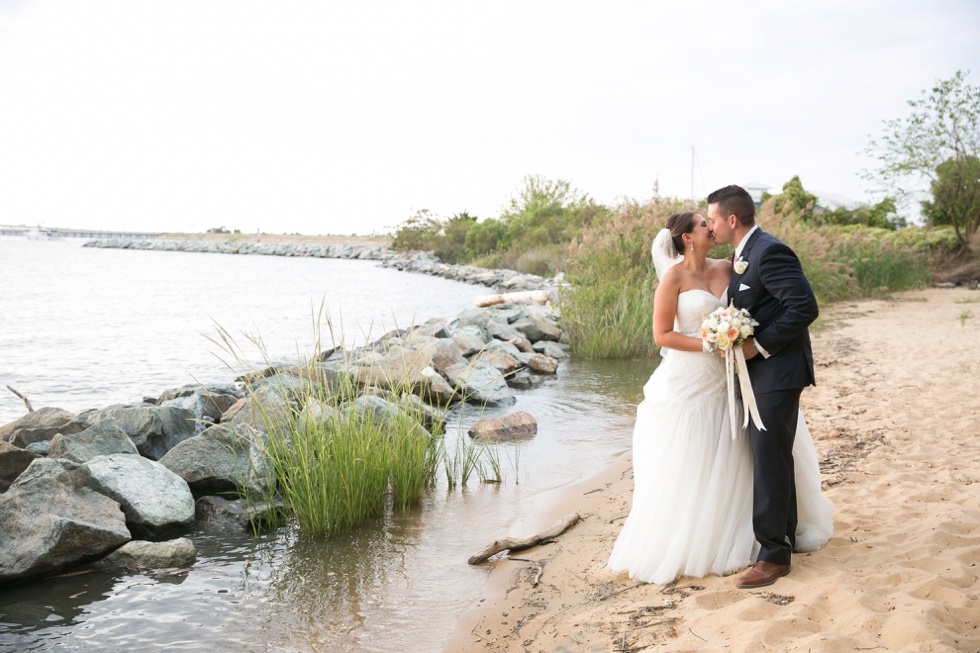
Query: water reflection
x,y
397,584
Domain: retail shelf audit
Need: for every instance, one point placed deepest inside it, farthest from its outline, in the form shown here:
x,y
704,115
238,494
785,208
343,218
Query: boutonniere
x,y
741,265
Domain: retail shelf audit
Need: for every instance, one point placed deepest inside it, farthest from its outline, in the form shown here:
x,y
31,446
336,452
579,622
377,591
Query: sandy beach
x,y
894,418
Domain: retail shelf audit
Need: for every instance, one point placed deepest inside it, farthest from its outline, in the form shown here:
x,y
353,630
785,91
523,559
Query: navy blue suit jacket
x,y
779,297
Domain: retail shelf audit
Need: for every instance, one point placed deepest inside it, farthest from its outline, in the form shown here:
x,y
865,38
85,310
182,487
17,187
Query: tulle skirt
x,y
692,497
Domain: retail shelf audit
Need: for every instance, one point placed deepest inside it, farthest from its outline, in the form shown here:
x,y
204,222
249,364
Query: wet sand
x,y
894,419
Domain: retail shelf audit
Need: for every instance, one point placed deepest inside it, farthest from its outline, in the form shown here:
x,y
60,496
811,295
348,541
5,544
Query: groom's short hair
x,y
735,200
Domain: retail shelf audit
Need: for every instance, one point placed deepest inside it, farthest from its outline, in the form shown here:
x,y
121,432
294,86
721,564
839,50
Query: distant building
x,y
834,201
756,189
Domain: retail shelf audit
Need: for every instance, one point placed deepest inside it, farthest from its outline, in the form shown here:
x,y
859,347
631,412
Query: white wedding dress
x,y
692,497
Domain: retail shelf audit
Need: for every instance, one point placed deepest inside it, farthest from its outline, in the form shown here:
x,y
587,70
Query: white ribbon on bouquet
x,y
735,359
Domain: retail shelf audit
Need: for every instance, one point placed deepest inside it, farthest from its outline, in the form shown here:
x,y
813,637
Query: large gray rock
x,y
552,349
154,499
154,430
237,514
42,424
542,364
536,330
261,410
504,331
512,427
179,552
40,448
470,340
524,381
13,462
100,439
205,408
480,385
213,389
223,458
444,352
50,518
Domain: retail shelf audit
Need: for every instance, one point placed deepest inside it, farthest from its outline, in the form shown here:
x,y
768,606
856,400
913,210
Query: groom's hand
x,y
748,348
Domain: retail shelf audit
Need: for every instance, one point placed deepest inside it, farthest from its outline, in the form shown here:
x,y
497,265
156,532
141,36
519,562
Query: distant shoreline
x,y
329,239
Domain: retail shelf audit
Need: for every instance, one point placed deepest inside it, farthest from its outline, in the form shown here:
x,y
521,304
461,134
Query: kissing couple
x,y
703,501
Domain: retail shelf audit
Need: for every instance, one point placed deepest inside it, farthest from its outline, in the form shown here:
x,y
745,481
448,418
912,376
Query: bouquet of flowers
x,y
726,329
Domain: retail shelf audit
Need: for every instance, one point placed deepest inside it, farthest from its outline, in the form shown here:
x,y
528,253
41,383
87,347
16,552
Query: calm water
x,y
83,328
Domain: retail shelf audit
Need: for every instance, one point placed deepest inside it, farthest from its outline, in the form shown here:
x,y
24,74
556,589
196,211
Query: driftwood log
x,y
517,544
524,296
27,404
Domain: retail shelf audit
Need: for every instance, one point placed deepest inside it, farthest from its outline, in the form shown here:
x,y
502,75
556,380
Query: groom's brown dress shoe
x,y
762,574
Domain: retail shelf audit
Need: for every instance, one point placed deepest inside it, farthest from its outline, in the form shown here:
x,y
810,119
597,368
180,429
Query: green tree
x,y
484,237
882,215
419,232
955,192
794,198
943,131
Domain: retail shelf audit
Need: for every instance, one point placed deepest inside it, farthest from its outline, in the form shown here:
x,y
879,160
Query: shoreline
x,y
411,261
895,437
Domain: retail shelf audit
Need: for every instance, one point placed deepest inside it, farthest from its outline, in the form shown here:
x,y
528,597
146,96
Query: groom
x,y
768,281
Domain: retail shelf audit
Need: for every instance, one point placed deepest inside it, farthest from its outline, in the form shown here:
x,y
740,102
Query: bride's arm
x,y
664,312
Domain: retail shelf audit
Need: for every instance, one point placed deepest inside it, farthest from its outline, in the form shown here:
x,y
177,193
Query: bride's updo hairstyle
x,y
680,224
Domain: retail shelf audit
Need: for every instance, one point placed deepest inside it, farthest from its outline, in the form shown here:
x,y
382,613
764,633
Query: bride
x,y
692,497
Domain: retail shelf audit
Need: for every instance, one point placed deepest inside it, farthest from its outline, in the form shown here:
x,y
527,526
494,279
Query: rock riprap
x,y
153,498
179,552
50,519
100,439
512,427
13,462
42,424
224,458
154,430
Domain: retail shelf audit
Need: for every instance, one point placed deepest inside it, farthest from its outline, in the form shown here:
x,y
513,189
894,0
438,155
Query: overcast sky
x,y
345,117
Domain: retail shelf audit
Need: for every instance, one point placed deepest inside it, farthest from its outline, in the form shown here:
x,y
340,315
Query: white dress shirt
x,y
738,252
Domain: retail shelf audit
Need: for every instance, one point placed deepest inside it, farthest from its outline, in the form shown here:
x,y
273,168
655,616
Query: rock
x,y
506,313
100,439
155,555
260,410
206,408
524,381
214,389
40,448
508,333
432,329
501,361
42,424
287,385
223,458
237,514
551,349
154,430
13,462
470,340
536,330
154,499
542,364
50,519
480,385
444,353
512,427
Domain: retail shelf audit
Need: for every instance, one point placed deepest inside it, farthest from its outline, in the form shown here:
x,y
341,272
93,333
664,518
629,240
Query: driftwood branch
x,y
30,408
517,544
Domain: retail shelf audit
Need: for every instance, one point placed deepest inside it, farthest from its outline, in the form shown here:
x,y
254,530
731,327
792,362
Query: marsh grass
x,y
338,456
607,312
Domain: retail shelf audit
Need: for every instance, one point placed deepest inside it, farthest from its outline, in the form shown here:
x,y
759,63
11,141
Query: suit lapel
x,y
736,277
